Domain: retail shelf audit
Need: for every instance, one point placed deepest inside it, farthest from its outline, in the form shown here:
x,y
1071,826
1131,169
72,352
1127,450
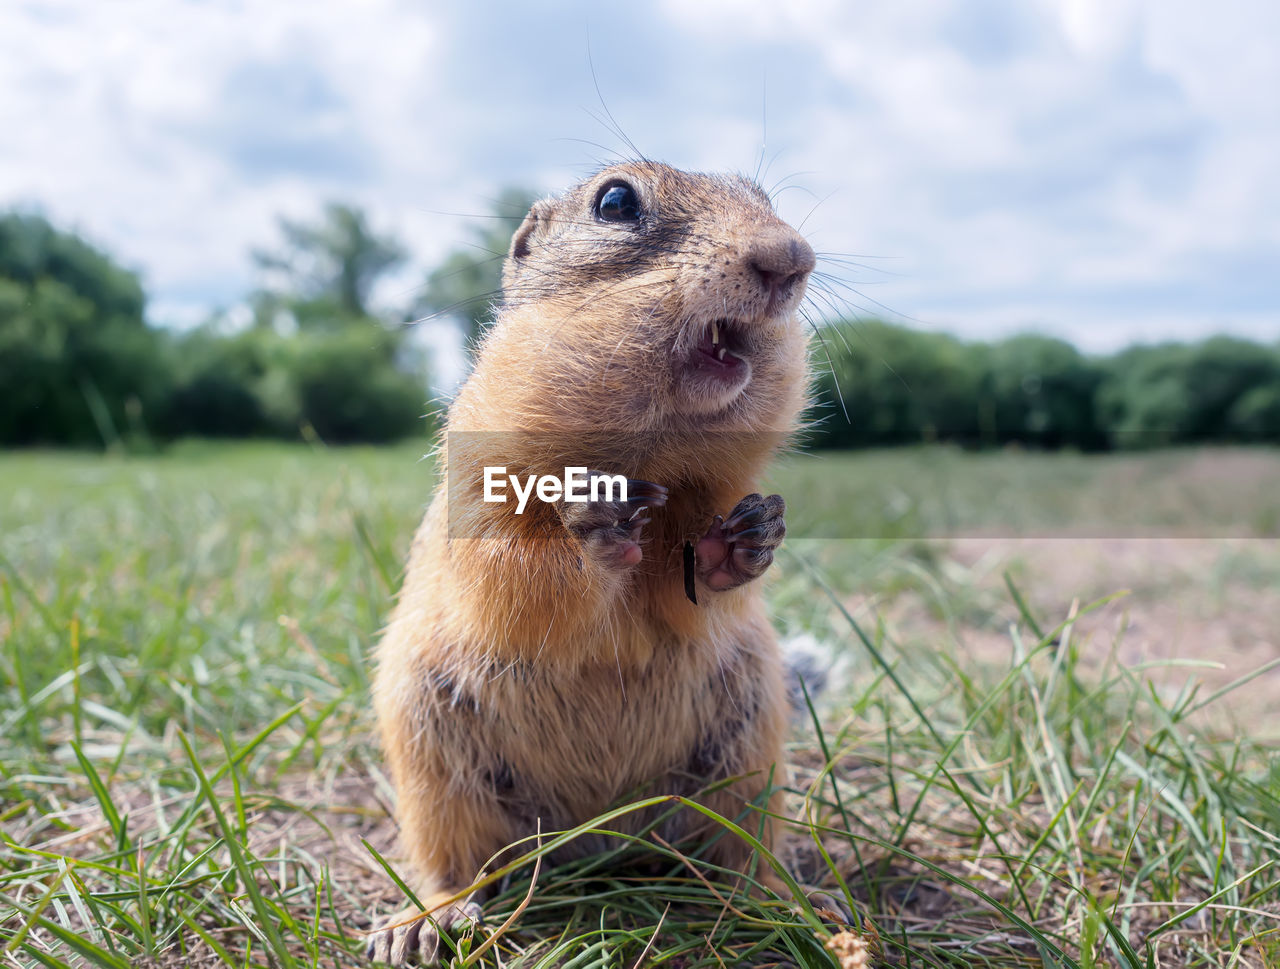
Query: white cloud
x,y
151,125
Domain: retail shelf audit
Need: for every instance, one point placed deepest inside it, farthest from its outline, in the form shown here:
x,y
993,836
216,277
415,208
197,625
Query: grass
x,y
187,774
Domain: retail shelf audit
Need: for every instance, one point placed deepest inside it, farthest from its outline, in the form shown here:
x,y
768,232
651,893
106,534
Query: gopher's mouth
x,y
721,351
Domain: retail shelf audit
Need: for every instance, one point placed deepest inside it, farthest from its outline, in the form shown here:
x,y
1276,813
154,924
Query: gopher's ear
x,y
533,226
531,232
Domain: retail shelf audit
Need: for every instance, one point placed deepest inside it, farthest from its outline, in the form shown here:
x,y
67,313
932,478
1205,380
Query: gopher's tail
x,y
813,669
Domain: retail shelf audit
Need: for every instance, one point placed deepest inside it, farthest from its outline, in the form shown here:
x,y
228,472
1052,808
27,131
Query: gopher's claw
x,y
611,530
414,937
740,548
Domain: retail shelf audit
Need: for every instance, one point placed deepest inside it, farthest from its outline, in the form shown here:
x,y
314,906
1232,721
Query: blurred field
x,y
946,492
183,646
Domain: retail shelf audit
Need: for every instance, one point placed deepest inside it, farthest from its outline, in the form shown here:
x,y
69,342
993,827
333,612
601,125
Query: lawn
x,y
1048,735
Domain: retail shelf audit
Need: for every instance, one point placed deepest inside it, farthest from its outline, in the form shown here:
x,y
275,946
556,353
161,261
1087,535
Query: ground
x,y
1046,735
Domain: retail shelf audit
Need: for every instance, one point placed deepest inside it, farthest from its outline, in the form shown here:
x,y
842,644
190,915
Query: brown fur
x,y
524,678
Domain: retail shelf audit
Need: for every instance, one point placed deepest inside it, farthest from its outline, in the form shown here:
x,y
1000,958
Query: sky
x,y
1103,170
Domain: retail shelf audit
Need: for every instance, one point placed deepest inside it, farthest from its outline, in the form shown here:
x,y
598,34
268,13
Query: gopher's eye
x,y
618,203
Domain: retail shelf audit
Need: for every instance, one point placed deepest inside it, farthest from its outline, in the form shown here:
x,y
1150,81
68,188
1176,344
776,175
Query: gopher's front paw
x,y
739,549
611,529
412,937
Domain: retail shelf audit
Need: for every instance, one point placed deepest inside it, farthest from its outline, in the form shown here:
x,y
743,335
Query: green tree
x,y
78,363
1176,393
326,270
1256,415
1040,391
880,384
467,284
31,249
343,385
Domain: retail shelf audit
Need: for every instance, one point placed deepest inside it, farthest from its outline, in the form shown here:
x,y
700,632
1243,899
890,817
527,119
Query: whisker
x,y
830,364
836,256
617,128
781,184
816,205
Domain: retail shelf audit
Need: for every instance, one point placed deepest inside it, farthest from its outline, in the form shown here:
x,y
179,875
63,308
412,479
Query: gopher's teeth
x,y
715,333
720,355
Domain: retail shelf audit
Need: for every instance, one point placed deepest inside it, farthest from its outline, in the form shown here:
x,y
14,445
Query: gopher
x,y
542,664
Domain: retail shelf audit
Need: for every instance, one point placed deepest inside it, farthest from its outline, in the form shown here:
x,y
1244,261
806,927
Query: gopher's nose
x,y
780,258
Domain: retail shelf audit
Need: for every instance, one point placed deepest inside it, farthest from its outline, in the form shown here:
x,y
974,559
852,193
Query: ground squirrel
x,y
540,666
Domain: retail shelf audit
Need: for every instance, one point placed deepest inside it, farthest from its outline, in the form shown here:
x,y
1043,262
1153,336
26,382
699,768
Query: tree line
x,y
884,385
79,364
